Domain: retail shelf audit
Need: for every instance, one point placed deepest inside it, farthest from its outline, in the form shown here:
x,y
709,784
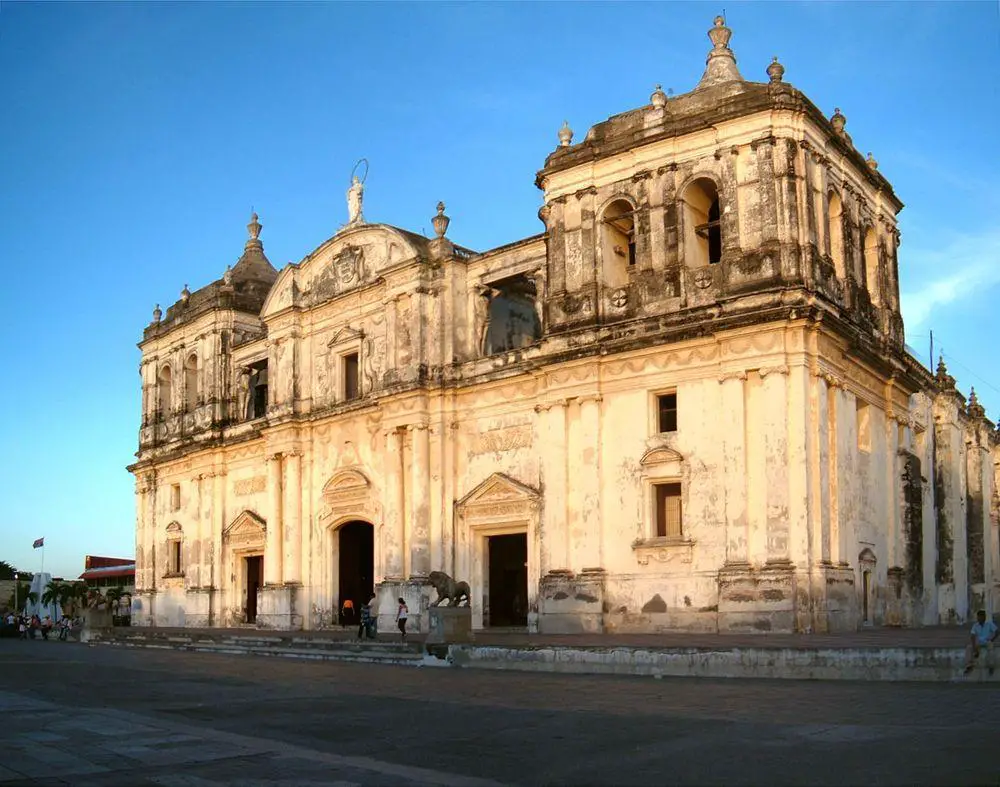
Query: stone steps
x,y
925,664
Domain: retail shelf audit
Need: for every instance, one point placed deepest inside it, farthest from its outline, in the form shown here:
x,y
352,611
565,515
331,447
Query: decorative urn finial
x,y
659,98
871,162
838,121
565,135
253,232
185,295
227,277
157,314
775,71
440,221
719,34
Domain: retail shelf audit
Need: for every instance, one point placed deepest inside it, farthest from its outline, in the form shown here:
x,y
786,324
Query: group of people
x,y
30,626
368,619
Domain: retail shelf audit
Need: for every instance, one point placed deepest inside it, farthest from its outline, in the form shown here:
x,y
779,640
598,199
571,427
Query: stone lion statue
x,y
448,588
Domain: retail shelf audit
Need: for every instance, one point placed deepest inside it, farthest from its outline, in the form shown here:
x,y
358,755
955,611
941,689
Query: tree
x,y
71,594
19,597
51,593
7,571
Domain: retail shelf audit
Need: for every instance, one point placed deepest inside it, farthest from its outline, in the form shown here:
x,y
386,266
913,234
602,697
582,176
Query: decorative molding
x,y
764,371
663,550
174,528
500,440
246,531
249,486
499,499
726,376
659,456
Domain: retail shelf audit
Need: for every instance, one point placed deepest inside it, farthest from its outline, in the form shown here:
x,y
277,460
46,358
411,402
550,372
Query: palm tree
x,y
51,594
70,594
7,571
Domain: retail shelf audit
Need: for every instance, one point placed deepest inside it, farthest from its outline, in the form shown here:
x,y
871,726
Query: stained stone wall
x,y
828,481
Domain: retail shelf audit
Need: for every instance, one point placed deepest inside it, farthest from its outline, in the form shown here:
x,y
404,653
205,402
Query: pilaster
x,y
273,538
419,502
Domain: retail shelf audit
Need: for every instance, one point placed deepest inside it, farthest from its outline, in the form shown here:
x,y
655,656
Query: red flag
x,y
39,542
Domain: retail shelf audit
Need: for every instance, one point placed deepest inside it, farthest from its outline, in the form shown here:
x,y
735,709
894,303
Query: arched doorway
x,y
356,563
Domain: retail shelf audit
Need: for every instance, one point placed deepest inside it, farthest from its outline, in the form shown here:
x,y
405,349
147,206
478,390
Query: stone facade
x,y
684,405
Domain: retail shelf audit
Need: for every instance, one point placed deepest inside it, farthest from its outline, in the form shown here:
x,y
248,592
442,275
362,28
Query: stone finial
x,y
871,162
720,34
440,221
775,71
838,121
543,214
565,135
973,407
658,99
253,230
157,314
720,66
227,277
185,295
944,379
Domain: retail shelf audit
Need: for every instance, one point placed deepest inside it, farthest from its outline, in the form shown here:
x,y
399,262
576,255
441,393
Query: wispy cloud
x,y
961,267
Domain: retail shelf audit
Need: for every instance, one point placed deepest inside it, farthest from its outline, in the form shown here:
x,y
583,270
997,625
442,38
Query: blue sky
x,y
136,138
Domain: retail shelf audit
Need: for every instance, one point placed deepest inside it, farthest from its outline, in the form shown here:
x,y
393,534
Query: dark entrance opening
x,y
254,579
866,589
508,588
356,550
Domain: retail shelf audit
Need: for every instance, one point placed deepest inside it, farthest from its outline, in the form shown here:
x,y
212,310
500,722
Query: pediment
x,y
174,527
345,334
660,456
346,483
499,488
246,526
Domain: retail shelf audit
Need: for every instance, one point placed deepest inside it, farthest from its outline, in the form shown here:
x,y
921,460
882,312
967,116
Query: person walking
x,y
369,620
402,613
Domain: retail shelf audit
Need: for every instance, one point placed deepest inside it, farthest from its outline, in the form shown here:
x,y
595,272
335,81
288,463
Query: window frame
x,y
674,485
658,411
345,394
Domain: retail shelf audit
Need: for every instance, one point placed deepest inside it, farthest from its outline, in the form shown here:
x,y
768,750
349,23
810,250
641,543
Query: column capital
x,y
740,375
542,407
588,398
764,371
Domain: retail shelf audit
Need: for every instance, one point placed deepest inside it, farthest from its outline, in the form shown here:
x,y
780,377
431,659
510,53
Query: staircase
x,y
286,645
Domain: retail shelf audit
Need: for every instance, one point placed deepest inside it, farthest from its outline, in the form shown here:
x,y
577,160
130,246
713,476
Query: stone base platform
x,y
936,654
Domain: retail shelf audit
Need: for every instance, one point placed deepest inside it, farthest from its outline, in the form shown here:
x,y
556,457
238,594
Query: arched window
x,y
618,243
835,231
191,390
702,224
512,316
871,265
165,391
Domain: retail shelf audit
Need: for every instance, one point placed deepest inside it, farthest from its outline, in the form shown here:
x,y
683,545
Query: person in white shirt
x,y
982,638
401,616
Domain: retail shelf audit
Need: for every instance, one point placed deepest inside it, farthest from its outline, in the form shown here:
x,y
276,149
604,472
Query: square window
x,y
667,412
668,510
352,388
175,497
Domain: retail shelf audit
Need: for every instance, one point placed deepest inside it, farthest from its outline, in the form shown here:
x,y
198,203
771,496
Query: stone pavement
x,y
113,716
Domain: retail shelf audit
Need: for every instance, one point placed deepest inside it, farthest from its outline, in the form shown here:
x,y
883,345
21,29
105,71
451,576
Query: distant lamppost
x,y
16,609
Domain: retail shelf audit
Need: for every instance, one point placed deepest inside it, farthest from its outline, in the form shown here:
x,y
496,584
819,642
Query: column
x,y
756,468
802,467
554,553
587,547
820,477
392,506
193,572
437,511
838,552
215,556
292,519
893,513
734,463
419,502
775,401
273,536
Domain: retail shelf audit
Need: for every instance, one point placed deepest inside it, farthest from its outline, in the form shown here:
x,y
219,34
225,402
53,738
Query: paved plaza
x,y
80,715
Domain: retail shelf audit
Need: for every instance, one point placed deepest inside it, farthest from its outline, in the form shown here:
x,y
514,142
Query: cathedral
x,y
685,404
